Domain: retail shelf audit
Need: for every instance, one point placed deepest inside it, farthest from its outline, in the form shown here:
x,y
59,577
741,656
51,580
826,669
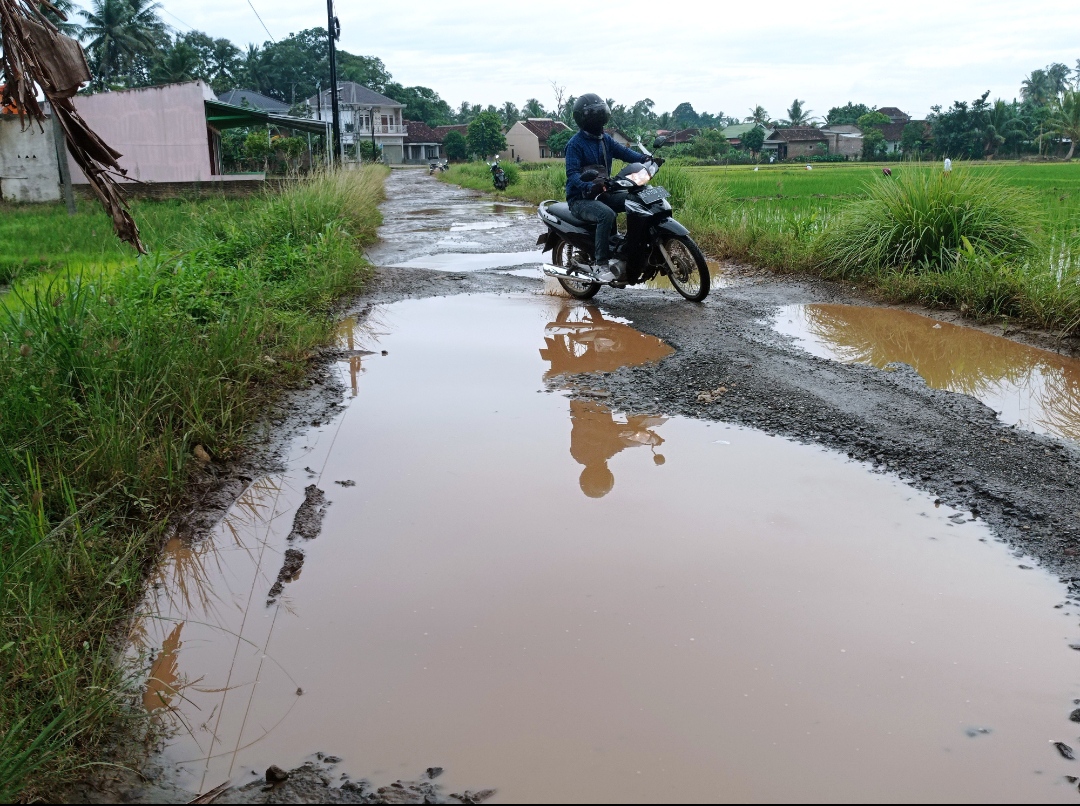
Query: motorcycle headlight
x,y
639,178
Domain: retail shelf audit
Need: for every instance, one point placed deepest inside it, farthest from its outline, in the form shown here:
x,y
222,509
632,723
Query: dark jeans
x,y
601,212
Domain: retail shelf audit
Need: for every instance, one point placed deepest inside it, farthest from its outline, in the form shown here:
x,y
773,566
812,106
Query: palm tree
x,y
533,109
1065,120
179,63
797,116
253,69
509,113
224,63
119,33
1036,88
67,8
759,115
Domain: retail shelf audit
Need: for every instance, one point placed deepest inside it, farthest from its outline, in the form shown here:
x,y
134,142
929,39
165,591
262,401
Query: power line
x,y
192,27
261,22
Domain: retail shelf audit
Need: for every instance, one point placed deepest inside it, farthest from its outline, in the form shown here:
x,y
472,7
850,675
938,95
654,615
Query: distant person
x,y
886,171
592,149
948,166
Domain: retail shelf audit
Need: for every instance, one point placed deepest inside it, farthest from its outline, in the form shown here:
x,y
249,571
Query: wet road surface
x,y
539,574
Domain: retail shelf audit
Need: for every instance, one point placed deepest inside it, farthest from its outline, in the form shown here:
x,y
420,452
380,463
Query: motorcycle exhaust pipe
x,y
559,271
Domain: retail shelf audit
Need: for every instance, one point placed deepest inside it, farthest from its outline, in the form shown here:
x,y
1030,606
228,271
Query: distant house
x,y
894,129
365,114
422,143
255,100
681,136
527,139
844,139
796,142
619,137
734,134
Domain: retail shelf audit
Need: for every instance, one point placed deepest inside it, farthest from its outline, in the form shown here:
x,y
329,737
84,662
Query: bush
x,y
924,220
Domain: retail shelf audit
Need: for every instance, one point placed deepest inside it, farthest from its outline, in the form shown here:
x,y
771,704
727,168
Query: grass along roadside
x,y
1020,260
108,382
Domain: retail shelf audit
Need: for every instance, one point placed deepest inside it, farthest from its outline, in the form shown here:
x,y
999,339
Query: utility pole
x,y
333,30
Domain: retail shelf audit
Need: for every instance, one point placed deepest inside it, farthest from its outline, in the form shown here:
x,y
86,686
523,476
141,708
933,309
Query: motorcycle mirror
x,y
588,176
659,141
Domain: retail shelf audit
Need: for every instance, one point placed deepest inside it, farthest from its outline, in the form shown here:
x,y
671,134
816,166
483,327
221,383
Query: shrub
x,y
923,219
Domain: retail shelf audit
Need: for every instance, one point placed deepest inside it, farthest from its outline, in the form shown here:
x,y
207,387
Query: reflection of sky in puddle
x,y
469,261
463,226
1037,389
510,589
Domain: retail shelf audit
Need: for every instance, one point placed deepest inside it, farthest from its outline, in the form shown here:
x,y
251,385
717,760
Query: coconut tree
x,y
119,32
758,115
1065,119
224,64
1036,88
65,26
797,116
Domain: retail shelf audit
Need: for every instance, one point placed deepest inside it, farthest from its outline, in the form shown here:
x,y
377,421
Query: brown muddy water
x,y
1032,388
570,603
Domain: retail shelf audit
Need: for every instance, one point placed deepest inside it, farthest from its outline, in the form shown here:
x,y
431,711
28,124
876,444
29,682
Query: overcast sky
x,y
719,56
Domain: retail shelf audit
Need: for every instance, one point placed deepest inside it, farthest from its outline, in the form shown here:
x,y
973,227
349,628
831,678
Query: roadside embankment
x,y
116,388
995,243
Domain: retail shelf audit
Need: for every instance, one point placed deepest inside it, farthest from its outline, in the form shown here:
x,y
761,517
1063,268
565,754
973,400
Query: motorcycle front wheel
x,y
562,256
688,272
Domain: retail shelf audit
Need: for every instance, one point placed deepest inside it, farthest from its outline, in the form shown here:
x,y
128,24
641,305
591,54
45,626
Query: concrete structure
x,y
29,168
161,131
844,139
527,140
172,133
365,115
797,142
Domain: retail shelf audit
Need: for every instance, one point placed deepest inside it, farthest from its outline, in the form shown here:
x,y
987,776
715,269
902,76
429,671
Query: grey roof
x,y
349,92
254,99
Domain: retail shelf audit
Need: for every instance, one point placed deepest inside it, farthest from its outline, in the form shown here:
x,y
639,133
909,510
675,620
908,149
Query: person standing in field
x,y
948,166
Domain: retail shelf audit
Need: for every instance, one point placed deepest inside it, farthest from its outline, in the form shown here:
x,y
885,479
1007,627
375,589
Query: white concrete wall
x,y
161,131
520,142
29,171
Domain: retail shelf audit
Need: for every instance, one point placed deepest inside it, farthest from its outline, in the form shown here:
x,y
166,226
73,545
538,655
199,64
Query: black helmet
x,y
591,113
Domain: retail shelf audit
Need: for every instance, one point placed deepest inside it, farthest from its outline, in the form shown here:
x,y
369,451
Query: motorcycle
x,y
655,244
498,175
438,165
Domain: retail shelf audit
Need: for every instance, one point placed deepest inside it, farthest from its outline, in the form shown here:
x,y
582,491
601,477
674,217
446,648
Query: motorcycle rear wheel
x,y
690,276
562,256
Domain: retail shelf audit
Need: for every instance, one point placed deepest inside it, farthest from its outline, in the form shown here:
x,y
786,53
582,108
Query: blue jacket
x,y
584,150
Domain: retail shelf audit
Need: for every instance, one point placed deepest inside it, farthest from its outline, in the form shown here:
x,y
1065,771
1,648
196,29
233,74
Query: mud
x,y
770,637
307,522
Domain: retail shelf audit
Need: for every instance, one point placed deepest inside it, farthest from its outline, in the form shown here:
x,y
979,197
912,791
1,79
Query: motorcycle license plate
x,y
653,194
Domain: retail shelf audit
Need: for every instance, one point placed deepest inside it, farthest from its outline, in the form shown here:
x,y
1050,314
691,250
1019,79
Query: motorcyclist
x,y
592,149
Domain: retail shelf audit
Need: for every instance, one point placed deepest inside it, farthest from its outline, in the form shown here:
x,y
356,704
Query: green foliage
x,y
421,103
558,140
874,146
257,147
455,146
107,382
753,140
872,120
797,115
923,221
367,151
485,135
848,114
913,140
710,144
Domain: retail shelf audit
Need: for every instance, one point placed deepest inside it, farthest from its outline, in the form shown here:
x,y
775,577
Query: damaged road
x,y
482,598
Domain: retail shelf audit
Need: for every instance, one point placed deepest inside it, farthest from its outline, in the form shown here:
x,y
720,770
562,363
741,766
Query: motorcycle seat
x,y
562,210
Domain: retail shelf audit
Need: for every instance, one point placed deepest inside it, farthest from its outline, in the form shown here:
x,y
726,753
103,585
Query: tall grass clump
x,y
108,382
924,220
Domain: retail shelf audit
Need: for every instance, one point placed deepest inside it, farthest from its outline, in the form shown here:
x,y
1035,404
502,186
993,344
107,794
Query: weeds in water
x,y
108,381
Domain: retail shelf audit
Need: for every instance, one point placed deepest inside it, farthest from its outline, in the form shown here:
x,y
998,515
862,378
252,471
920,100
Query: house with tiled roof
x,y
422,143
526,141
797,142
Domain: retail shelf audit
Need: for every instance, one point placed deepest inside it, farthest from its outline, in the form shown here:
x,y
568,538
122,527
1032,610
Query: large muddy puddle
x,y
1032,388
572,603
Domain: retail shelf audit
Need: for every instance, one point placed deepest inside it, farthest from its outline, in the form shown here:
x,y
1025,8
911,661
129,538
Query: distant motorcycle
x,y
438,165
654,244
498,175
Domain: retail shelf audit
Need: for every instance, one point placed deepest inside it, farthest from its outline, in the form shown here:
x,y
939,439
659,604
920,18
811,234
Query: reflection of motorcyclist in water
x,y
596,436
582,340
